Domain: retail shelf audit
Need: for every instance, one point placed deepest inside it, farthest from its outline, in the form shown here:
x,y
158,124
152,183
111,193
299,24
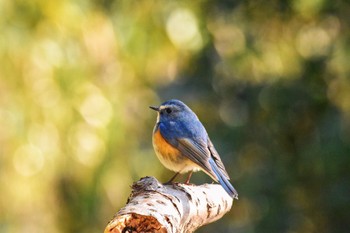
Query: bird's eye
x,y
168,110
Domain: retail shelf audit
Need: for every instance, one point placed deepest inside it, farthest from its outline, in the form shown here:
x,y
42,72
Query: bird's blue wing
x,y
201,155
190,142
195,144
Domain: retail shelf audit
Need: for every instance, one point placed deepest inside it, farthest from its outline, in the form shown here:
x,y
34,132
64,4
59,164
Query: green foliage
x,y
269,80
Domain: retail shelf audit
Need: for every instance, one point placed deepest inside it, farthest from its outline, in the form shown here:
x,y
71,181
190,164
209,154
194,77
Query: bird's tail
x,y
223,180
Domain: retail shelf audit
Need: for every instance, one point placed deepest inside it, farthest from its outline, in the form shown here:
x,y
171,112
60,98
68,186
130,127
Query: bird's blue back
x,y
172,131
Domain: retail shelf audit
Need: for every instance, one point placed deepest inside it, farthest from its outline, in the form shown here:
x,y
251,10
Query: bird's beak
x,y
154,108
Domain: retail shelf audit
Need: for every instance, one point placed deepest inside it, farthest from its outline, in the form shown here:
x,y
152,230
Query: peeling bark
x,y
154,207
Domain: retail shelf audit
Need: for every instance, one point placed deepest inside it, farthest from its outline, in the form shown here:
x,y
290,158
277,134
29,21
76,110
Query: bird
x,y
182,144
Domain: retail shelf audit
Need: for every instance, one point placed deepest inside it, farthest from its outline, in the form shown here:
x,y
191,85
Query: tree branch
x,y
154,207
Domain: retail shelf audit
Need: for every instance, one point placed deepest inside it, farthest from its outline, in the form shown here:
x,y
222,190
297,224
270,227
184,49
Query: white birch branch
x,y
154,207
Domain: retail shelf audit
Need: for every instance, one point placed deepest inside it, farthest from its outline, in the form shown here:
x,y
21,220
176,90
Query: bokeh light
x,y
183,31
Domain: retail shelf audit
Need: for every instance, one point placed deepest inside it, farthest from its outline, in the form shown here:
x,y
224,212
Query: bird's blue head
x,y
174,110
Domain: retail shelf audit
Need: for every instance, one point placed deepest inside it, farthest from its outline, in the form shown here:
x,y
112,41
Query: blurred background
x,y
269,80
